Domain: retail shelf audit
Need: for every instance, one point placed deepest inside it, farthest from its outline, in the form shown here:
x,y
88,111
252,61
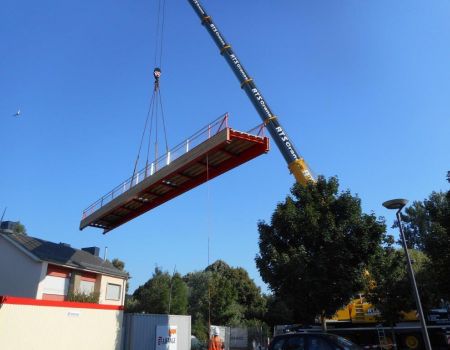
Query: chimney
x,y
92,250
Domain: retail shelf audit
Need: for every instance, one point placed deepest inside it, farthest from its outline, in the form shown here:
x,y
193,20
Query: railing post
x,y
223,121
209,131
152,169
168,158
261,130
187,145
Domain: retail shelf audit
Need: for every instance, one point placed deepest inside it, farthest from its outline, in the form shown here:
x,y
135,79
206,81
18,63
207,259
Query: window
x,y
319,343
87,287
344,343
112,291
278,344
295,343
55,285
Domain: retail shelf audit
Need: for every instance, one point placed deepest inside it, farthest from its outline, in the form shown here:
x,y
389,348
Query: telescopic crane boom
x,y
296,163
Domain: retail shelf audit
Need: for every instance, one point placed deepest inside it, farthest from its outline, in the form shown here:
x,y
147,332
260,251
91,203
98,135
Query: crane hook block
x,y
157,73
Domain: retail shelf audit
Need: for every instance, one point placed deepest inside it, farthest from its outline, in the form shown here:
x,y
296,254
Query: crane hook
x,y
156,74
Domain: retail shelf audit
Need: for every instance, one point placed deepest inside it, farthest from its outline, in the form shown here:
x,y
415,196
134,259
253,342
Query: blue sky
x,y
362,87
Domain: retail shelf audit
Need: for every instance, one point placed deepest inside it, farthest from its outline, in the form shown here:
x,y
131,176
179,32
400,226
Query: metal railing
x,y
258,130
152,168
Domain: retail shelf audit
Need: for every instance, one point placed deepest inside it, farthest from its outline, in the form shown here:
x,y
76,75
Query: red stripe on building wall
x,y
36,302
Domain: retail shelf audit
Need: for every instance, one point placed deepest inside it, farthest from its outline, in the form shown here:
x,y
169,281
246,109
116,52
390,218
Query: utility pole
x,y
3,215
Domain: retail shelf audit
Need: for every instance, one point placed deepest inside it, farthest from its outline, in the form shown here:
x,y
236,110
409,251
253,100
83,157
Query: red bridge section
x,y
185,167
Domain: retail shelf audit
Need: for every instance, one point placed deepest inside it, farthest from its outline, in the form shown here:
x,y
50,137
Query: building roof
x,y
63,254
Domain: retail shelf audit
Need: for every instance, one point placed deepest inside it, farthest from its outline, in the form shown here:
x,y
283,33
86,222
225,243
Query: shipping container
x,y
156,332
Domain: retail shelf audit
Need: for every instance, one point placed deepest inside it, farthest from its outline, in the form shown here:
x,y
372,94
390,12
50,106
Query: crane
x,y
296,163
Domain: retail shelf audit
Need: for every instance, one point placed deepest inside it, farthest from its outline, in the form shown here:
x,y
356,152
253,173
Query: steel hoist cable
x,y
209,229
155,110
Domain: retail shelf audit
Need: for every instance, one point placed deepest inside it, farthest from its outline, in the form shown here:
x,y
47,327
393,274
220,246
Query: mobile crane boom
x,y
296,163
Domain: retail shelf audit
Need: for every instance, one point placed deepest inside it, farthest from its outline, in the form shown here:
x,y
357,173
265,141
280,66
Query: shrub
x,y
83,297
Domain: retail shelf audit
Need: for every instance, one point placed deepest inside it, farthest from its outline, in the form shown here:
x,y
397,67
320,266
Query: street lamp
x,y
398,204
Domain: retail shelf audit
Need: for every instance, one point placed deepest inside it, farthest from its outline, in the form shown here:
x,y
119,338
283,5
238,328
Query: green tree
x,y
161,294
428,223
178,295
278,312
118,264
389,289
20,228
246,295
198,303
416,225
316,247
225,295
426,227
387,286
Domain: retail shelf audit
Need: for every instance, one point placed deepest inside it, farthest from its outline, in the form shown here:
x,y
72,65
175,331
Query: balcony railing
x,y
152,168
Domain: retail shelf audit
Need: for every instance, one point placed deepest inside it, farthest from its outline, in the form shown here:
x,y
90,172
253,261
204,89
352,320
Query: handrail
x,y
258,130
183,147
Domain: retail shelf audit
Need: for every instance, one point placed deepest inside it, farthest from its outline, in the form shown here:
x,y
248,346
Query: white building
x,y
33,268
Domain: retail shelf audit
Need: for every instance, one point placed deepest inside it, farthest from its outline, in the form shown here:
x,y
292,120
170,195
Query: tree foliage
x,y
316,247
246,294
427,226
118,264
224,294
278,312
20,228
388,286
161,294
84,298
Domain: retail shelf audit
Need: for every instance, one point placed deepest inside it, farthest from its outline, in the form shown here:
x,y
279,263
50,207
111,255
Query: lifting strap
x,y
155,110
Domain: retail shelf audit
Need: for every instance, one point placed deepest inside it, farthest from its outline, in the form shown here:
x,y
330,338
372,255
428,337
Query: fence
x,y
143,331
250,338
42,324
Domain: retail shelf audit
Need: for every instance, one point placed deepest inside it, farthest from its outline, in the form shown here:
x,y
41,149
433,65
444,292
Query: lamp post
x,y
398,204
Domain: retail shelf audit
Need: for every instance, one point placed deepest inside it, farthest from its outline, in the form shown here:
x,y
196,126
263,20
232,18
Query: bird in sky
x,y
17,114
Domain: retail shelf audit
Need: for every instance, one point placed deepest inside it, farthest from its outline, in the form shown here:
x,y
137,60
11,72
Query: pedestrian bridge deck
x,y
211,152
